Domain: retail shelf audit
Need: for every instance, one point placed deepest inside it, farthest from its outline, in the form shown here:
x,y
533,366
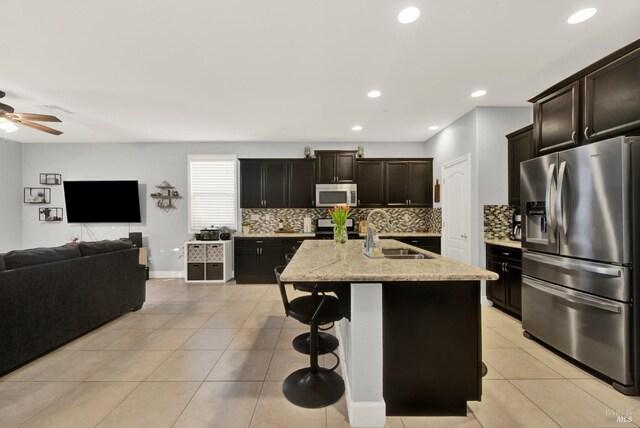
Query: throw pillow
x,y
37,256
99,247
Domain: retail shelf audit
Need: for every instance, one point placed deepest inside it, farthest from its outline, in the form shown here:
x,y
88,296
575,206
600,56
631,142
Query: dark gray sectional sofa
x,y
49,296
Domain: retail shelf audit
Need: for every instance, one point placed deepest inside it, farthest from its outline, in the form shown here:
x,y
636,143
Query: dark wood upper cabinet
x,y
396,186
557,120
335,166
277,183
302,184
409,183
420,184
370,179
598,102
519,149
612,99
251,184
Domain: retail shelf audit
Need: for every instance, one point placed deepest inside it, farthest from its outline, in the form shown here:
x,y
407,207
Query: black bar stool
x,y
314,386
326,342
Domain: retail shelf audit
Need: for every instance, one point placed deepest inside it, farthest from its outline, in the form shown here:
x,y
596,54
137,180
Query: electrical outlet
x,y
255,217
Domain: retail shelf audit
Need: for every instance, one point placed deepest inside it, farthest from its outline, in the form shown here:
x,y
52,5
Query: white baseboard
x,y
485,302
369,414
166,274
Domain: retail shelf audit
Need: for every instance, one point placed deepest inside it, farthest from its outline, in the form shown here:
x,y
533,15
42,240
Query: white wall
x,y
10,196
480,133
150,164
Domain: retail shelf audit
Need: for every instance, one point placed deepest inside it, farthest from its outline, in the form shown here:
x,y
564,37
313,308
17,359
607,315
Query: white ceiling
x,y
288,70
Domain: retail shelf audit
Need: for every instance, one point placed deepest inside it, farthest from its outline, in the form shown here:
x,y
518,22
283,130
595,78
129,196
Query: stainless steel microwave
x,y
330,195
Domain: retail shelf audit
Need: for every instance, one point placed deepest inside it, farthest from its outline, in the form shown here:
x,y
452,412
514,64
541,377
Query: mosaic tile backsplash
x,y
401,219
497,221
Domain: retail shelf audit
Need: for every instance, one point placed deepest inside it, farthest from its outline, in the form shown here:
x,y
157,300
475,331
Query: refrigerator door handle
x,y
562,213
551,183
576,267
570,297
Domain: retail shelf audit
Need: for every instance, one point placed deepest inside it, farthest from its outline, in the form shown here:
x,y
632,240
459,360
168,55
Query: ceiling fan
x,y
8,115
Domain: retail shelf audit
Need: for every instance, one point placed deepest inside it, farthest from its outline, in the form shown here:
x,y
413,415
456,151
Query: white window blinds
x,y
212,192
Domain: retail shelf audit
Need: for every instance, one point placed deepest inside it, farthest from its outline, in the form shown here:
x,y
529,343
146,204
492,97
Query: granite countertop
x,y
504,243
323,261
312,235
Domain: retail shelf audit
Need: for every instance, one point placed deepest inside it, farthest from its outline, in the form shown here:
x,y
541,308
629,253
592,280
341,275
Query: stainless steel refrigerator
x,y
581,237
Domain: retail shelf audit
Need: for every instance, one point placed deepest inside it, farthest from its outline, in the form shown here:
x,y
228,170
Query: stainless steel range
x,y
580,238
324,228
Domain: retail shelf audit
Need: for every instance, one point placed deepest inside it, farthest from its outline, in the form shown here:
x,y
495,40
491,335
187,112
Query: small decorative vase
x,y
340,234
246,229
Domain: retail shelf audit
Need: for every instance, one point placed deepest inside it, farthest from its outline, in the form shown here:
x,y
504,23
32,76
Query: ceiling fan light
x,y
7,126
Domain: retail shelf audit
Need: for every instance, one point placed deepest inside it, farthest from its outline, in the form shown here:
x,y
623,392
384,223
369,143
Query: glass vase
x,y
340,234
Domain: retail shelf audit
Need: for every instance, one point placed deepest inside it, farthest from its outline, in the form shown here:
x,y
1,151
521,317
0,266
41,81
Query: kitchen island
x,y
411,342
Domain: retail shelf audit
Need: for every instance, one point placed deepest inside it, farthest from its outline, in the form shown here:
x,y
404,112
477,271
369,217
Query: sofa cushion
x,y
2,266
37,256
99,247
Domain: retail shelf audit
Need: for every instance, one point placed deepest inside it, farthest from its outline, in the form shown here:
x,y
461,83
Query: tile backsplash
x,y
497,221
401,219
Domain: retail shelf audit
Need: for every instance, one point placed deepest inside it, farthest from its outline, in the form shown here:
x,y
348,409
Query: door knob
x,y
464,236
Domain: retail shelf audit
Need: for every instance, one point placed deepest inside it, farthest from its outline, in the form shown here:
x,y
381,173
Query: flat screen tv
x,y
102,201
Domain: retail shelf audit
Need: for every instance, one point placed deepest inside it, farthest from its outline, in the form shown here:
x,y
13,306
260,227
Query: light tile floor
x,y
215,356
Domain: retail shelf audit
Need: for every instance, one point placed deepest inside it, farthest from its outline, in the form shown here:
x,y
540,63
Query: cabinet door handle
x,y
257,250
409,202
505,254
415,241
260,251
573,137
259,242
358,201
586,132
299,242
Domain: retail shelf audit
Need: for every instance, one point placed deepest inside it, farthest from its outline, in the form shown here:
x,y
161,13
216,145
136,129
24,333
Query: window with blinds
x,y
212,192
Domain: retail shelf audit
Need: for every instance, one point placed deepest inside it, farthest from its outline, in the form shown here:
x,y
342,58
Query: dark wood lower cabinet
x,y
506,292
429,243
255,260
431,347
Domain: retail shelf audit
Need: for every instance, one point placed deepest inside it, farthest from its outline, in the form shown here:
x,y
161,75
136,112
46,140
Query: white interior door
x,y
456,205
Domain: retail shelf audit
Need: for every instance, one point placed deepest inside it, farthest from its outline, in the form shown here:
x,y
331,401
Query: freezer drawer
x,y
594,331
605,280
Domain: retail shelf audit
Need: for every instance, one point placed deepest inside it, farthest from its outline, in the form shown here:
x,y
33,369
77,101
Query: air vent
x,y
56,108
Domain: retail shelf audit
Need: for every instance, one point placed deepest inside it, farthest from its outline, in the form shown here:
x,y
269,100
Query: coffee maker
x,y
516,227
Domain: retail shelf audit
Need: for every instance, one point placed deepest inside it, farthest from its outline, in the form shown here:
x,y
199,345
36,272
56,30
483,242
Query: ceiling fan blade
x,y
36,117
38,127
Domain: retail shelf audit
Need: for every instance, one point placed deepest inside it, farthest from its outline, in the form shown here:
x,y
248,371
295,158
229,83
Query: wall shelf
x,y
165,196
37,195
53,214
50,178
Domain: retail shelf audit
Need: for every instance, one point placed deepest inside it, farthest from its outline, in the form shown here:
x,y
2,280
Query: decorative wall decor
x,y
50,214
165,196
50,178
37,195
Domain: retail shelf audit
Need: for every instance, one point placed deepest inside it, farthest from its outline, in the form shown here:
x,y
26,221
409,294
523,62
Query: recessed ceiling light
x,y
408,15
478,93
374,94
582,15
433,128
356,128
7,126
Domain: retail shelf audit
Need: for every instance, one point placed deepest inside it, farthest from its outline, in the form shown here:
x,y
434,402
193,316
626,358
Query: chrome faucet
x,y
372,233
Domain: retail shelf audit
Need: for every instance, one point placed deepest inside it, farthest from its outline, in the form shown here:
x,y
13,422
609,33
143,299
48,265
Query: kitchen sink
x,y
403,253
